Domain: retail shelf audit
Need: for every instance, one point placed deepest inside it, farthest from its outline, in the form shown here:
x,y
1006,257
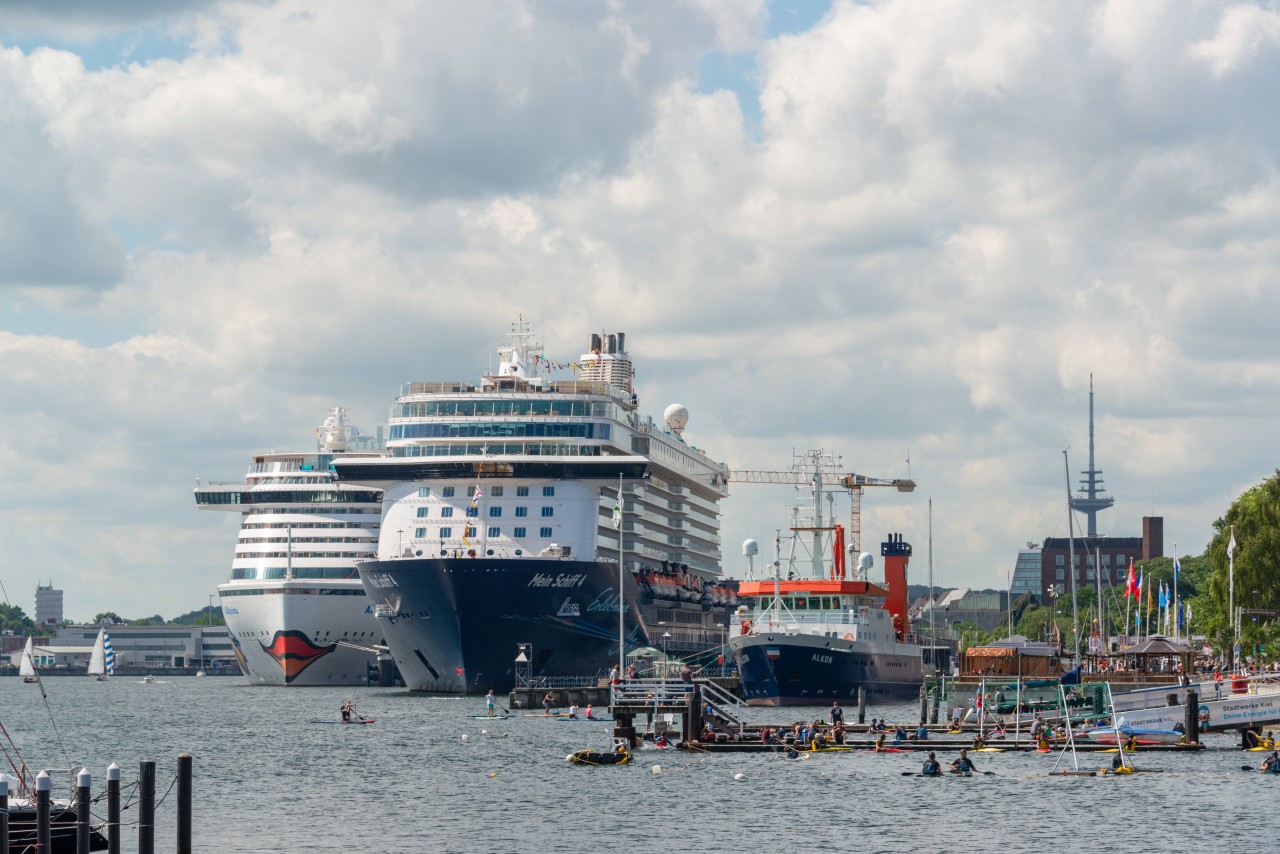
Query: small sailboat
x,y
27,669
102,661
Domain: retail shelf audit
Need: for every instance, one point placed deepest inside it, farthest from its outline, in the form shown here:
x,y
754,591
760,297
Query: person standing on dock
x,y
837,714
489,700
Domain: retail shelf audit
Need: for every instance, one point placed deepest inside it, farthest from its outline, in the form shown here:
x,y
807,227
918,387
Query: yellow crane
x,y
854,483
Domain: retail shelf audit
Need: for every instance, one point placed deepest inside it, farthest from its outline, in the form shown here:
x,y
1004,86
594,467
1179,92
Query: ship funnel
x,y
896,554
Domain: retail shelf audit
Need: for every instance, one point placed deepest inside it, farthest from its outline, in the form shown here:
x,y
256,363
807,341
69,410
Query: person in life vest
x,y
931,768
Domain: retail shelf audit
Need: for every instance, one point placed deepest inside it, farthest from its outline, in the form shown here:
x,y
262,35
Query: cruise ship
x,y
294,605
820,630
519,496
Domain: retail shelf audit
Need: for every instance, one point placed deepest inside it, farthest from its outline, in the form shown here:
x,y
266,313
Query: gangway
x,y
692,700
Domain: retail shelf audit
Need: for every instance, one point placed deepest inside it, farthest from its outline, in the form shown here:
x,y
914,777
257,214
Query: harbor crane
x,y
854,483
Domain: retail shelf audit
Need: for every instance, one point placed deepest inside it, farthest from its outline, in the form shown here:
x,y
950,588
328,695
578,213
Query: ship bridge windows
x,y
505,429
491,448
517,407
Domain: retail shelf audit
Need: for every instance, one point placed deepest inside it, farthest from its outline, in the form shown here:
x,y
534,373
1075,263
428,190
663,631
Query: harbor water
x,y
267,780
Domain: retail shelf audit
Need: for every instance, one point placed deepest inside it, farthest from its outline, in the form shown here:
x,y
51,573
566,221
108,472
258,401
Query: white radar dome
x,y
676,416
865,561
750,548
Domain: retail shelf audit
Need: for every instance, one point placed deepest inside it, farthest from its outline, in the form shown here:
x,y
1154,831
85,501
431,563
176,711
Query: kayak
x,y
546,714
568,719
987,750
490,717
352,721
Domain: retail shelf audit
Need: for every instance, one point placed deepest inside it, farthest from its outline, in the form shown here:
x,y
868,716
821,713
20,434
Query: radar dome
x,y
750,548
676,416
865,561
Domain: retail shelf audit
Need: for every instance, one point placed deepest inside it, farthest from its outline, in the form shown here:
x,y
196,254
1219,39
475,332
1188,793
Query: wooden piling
x,y
1191,717
84,782
924,705
113,809
933,709
184,803
42,811
4,815
862,704
147,806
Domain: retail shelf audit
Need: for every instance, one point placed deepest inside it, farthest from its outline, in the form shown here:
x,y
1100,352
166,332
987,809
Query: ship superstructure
x,y
294,599
819,629
508,506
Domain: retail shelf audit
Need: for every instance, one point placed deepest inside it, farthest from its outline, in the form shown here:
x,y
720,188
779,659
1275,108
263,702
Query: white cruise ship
x,y
294,599
507,494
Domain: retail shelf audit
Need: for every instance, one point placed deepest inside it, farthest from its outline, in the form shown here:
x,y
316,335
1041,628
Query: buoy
x,y
569,758
739,776
464,736
493,773
657,769
484,732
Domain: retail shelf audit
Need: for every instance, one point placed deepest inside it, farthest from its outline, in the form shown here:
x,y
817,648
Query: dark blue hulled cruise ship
x,y
508,505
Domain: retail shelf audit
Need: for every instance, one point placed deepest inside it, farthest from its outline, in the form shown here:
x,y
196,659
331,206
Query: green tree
x,y
108,616
1255,518
14,619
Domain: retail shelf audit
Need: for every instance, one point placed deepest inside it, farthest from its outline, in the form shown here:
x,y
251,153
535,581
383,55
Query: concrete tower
x,y
1091,498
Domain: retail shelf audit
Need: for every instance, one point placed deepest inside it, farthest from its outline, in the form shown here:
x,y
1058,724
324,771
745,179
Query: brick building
x,y
1111,555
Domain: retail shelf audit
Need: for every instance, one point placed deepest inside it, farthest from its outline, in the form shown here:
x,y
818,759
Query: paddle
x,y
914,774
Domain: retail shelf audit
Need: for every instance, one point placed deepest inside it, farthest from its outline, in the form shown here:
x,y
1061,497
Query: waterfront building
x,y
48,605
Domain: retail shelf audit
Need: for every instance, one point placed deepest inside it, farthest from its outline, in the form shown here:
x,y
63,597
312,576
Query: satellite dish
x,y
750,548
676,416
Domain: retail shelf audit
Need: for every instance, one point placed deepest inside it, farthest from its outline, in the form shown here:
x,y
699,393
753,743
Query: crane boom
x,y
852,482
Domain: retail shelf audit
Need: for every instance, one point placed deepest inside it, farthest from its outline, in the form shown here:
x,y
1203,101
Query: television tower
x,y
1091,498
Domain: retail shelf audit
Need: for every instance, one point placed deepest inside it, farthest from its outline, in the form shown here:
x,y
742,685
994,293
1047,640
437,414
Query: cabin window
x,y
801,604
422,512
522,491
447,492
548,491
446,512
495,491
420,533
424,492
494,532
518,532
521,512
495,511
547,512
446,532
544,532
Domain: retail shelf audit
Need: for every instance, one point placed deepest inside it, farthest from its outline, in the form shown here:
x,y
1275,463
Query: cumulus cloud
x,y
946,218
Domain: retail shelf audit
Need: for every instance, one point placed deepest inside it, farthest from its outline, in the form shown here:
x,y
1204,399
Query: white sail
x,y
98,658
28,666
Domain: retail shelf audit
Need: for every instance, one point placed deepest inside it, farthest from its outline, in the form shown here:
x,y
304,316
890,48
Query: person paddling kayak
x,y
931,768
963,765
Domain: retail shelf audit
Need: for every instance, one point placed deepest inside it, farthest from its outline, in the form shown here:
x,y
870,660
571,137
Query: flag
x,y
1150,600
475,498
1231,544
1131,586
1138,595
617,515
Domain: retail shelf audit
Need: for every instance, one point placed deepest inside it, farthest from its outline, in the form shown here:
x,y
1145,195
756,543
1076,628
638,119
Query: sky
x,y
907,232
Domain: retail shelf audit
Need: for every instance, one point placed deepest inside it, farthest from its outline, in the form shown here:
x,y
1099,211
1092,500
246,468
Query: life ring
x,y
848,635
746,627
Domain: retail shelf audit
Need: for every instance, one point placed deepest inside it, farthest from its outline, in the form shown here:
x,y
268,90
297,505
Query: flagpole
x,y
1231,585
1071,552
1127,587
1174,597
622,632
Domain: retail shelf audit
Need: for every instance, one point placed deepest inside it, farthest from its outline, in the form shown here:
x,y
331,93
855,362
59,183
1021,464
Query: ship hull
x,y
807,670
289,635
455,625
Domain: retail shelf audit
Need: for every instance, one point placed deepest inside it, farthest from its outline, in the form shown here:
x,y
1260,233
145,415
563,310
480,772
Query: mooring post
x,y
933,710
147,806
1191,717
84,781
42,811
184,803
113,809
4,815
862,704
924,705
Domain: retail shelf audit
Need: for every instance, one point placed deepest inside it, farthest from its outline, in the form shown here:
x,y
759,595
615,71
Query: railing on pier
x,y
661,694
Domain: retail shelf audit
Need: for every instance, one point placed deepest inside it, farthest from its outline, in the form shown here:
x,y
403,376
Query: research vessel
x,y
523,513
294,606
819,630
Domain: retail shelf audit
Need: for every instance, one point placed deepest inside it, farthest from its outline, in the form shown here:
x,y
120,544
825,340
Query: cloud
x,y
946,218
